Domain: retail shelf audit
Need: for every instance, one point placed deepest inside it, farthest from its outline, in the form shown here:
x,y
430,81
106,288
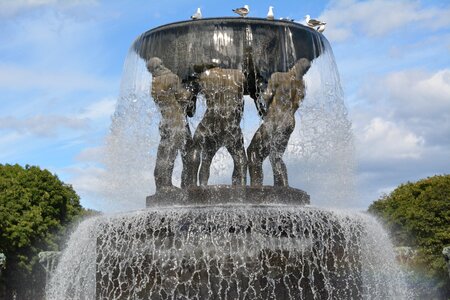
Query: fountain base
x,y
230,251
223,194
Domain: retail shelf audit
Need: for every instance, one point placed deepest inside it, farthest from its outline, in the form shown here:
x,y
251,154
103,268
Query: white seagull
x,y
270,15
312,22
243,11
197,15
321,28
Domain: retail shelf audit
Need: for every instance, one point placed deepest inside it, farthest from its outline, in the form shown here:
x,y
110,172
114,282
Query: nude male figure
x,y
285,91
220,126
173,101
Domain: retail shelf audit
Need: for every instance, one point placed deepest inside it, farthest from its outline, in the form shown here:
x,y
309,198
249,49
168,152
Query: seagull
x,y
270,15
243,11
321,28
312,22
197,15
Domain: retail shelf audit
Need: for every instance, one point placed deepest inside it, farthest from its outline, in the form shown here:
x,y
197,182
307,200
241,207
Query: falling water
x,y
319,156
321,146
232,251
229,252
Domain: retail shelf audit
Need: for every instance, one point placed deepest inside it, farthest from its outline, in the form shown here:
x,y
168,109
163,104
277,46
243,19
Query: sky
x,y
61,64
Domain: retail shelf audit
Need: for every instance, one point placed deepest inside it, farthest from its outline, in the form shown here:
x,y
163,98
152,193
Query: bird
x,y
197,15
243,11
270,15
312,22
321,28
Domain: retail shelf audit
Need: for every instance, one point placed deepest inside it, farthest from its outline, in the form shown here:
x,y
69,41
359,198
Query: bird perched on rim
x,y
270,15
243,11
197,15
312,22
321,28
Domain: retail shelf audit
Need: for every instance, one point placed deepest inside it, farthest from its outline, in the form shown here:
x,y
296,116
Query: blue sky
x,y
61,64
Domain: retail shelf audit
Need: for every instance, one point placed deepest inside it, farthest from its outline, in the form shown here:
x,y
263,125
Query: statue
x,y
220,126
174,103
446,253
285,91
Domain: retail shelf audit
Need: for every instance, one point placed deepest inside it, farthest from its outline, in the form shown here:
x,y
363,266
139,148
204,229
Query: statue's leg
x,y
196,152
209,149
278,147
235,147
165,158
188,175
257,151
280,177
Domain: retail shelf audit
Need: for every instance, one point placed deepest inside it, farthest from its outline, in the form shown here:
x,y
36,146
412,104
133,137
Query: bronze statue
x,y
285,91
220,126
173,101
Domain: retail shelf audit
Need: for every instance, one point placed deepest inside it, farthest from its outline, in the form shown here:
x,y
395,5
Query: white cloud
x,y
381,140
417,100
58,47
93,155
42,125
379,17
49,125
419,93
100,109
402,128
410,112
88,179
10,8
17,77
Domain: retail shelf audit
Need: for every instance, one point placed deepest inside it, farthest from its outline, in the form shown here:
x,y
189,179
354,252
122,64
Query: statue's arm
x,y
264,100
194,88
191,107
261,106
301,68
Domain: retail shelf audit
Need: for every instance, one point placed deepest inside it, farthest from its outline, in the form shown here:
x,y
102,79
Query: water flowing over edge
x,y
108,237
320,154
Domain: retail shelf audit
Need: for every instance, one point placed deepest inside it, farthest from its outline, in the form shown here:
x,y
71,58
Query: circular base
x,y
226,194
232,252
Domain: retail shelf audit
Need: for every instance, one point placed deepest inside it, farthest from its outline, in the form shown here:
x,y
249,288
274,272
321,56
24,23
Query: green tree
x,y
418,215
36,209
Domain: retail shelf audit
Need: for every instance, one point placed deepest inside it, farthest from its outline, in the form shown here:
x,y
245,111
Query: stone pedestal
x,y
225,194
231,251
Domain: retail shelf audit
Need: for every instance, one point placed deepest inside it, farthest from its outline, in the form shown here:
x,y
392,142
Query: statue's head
x,y
153,64
156,67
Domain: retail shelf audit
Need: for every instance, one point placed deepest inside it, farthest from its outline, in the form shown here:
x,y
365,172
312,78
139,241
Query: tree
x,y
418,215
36,209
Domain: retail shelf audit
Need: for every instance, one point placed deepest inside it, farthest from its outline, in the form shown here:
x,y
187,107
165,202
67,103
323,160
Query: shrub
x,y
418,215
36,209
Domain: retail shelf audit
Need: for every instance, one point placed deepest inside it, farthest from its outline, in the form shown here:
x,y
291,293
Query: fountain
x,y
233,241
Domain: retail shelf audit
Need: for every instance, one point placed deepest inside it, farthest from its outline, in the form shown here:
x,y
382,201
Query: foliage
x,y
36,209
418,215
